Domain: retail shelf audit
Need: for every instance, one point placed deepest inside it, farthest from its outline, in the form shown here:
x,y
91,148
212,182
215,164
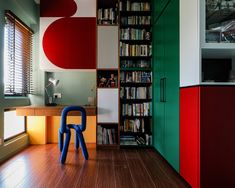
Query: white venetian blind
x,y
17,57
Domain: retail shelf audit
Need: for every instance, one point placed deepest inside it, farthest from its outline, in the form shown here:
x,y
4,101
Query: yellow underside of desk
x,y
36,129
42,129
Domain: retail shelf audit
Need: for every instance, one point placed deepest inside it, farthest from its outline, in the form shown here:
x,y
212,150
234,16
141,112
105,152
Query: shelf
x,y
135,117
129,84
136,146
136,69
135,13
107,12
107,78
135,57
218,45
218,83
135,100
136,41
210,52
147,27
133,133
106,4
107,24
107,87
138,1
107,124
107,69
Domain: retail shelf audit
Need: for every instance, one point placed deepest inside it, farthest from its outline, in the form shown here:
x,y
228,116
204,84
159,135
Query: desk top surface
x,y
51,110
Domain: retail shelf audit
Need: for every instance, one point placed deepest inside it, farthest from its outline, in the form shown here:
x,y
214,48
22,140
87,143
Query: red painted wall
x,y
57,8
189,135
68,42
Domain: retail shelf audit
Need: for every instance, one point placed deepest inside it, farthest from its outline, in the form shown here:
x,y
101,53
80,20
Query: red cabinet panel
x,y
189,135
207,136
217,137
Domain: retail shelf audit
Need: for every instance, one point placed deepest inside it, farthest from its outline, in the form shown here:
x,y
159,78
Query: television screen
x,y
216,70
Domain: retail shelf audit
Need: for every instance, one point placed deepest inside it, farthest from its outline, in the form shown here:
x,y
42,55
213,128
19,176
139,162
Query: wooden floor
x,y
38,166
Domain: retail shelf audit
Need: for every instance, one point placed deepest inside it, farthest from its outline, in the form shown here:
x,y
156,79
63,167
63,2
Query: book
x,y
110,138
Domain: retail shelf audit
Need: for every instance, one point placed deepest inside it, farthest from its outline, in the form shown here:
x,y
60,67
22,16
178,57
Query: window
x,y
17,56
13,124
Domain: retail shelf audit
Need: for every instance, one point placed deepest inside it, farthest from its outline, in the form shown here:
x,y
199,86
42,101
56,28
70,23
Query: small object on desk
x,y
91,101
52,82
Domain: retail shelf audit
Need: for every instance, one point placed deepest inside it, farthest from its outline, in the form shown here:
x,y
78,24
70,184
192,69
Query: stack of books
x,y
106,135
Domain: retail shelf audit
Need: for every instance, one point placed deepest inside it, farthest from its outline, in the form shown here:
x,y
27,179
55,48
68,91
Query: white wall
x,y
189,42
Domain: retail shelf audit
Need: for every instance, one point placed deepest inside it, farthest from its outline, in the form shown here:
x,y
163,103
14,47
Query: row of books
x,y
135,92
107,16
135,20
134,34
135,64
135,50
106,135
135,77
139,109
134,6
128,140
130,125
136,140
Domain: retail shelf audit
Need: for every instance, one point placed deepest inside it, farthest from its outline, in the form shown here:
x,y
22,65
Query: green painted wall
x,y
27,11
75,87
166,65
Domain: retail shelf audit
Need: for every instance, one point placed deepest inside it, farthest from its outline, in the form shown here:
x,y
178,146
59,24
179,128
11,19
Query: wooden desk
x,y
43,123
51,111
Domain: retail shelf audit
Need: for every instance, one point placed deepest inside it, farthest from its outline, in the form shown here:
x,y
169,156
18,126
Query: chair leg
x,y
76,140
65,148
83,145
61,140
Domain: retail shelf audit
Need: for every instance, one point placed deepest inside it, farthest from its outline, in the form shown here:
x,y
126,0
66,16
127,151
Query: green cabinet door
x,y
158,75
171,17
158,7
166,83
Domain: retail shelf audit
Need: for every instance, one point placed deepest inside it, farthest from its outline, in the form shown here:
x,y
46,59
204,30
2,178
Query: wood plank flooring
x,y
38,166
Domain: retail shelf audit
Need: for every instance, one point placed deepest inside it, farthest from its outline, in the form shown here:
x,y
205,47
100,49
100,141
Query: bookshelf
x,y
135,69
107,125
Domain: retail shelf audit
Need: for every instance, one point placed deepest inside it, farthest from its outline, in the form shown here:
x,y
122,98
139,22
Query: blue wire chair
x,y
65,129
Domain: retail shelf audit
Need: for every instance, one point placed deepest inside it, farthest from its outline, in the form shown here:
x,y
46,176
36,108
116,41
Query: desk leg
x,y
36,128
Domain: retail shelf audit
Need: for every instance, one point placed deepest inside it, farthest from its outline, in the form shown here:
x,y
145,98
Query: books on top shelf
x,y
107,16
134,6
105,135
